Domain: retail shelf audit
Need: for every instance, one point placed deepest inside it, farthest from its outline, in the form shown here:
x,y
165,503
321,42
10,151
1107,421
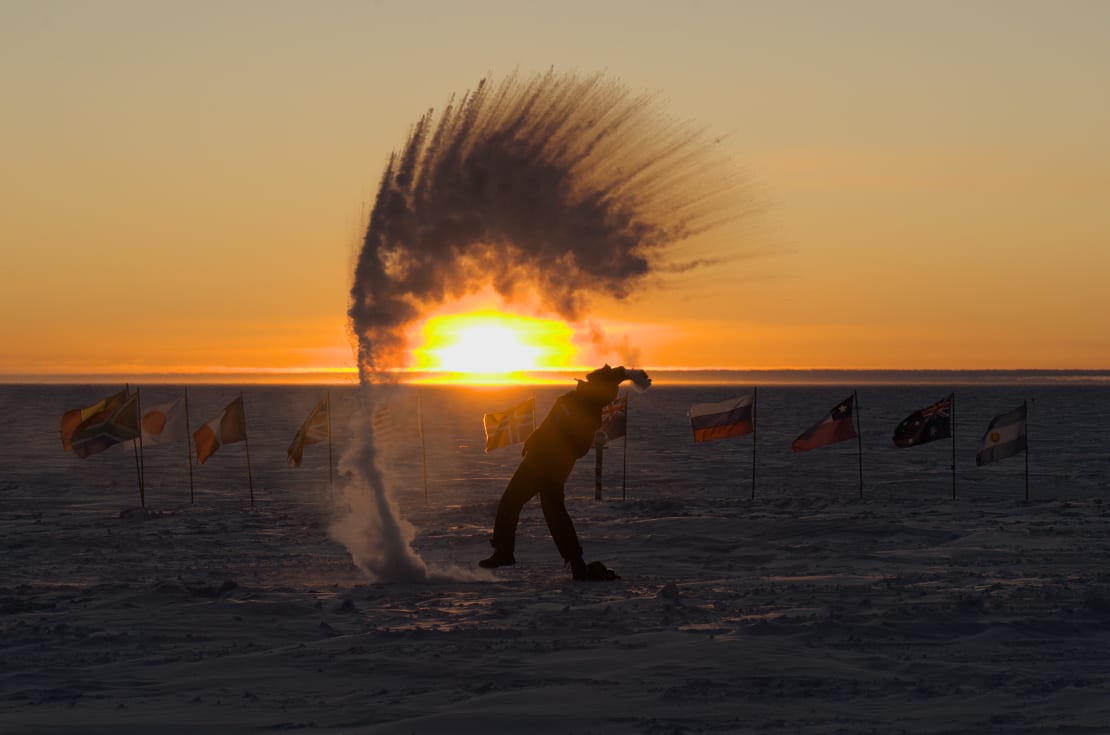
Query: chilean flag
x,y
837,426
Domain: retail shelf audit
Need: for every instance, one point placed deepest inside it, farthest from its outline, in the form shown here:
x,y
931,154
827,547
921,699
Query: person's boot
x,y
498,559
595,571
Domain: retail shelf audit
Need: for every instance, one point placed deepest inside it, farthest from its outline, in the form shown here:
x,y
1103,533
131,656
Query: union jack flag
x,y
928,424
614,418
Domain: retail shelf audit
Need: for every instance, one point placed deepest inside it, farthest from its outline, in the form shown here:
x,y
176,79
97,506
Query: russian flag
x,y
722,419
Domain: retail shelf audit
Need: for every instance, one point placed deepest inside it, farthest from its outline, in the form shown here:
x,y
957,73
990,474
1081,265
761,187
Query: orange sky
x,y
185,187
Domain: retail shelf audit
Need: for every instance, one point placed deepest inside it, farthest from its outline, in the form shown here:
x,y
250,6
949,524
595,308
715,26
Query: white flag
x,y
164,423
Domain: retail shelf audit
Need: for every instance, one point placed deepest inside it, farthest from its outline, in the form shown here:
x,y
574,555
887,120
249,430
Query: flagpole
x,y
599,451
754,392
250,479
139,448
329,440
1025,410
135,447
953,445
189,448
859,441
624,455
423,445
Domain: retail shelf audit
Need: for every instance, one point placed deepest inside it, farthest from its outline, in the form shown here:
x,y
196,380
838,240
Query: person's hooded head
x,y
602,384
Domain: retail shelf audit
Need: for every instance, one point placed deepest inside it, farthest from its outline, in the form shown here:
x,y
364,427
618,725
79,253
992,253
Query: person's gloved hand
x,y
639,378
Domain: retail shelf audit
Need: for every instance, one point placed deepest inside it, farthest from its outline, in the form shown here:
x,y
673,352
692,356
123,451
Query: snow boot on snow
x,y
595,571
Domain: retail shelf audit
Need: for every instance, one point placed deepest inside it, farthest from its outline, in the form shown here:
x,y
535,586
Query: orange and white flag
x,y
227,428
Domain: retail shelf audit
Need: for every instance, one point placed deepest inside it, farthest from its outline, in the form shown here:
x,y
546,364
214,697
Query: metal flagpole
x,y
624,456
189,448
953,419
139,448
423,446
1025,410
250,479
754,390
138,462
859,440
329,440
599,451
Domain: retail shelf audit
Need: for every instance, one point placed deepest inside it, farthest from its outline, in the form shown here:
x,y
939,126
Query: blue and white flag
x,y
1005,437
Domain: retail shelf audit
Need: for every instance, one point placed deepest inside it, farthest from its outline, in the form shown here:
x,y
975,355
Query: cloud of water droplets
x,y
556,188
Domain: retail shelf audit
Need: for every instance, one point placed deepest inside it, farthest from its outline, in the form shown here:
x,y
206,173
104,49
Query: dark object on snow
x,y
595,571
497,559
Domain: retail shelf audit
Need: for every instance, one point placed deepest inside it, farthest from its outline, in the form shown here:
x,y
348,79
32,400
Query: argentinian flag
x,y
1005,437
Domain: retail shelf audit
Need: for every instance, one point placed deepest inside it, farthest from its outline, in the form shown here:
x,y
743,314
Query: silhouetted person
x,y
549,455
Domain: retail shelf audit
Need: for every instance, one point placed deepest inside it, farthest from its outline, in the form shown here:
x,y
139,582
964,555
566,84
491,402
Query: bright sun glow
x,y
489,346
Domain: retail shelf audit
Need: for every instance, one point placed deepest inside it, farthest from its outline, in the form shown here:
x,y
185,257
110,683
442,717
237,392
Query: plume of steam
x,y
558,187
380,541
369,523
592,333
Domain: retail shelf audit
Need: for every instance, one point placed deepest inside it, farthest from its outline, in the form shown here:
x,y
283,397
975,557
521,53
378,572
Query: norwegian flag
x,y
614,418
929,424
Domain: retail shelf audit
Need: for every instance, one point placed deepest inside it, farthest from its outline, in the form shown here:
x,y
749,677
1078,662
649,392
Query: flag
x,y
116,421
929,424
387,427
1005,437
511,426
164,423
229,427
722,419
614,418
316,428
96,413
836,426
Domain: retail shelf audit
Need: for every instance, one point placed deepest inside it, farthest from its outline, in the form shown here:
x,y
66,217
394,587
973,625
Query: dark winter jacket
x,y
565,435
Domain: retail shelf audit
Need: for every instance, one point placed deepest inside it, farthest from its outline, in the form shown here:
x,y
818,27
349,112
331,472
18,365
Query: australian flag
x,y
929,424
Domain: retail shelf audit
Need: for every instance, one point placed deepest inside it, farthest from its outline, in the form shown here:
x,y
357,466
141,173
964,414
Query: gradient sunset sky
x,y
185,185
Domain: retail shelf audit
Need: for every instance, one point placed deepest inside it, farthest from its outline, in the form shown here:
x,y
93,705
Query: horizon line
x,y
349,376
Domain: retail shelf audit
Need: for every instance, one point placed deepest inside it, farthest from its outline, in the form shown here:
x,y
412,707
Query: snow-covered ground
x,y
807,609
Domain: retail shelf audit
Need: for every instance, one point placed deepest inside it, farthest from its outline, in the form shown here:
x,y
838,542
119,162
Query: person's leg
x,y
521,488
553,500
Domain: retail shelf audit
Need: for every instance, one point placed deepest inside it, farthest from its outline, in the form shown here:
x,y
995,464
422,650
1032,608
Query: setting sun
x,y
489,346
